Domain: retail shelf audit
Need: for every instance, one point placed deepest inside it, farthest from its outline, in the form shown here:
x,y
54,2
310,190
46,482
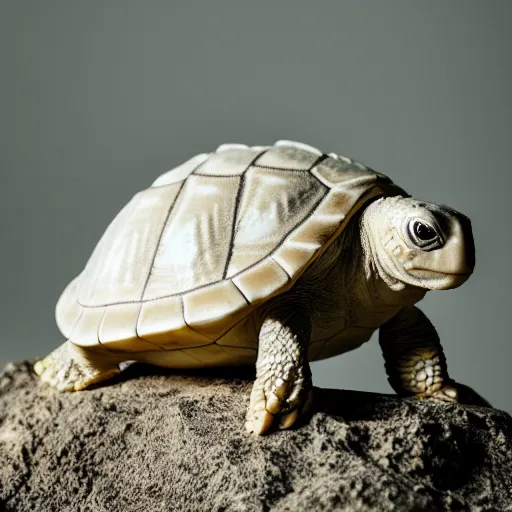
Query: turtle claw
x,y
259,419
280,404
447,393
288,419
260,423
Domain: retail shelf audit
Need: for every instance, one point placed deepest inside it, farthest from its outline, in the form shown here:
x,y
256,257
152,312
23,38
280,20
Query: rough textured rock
x,y
157,441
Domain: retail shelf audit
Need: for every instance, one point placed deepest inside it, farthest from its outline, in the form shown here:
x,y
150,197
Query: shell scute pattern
x,y
288,157
121,262
271,206
230,161
163,322
187,260
181,172
214,308
85,332
195,243
119,322
68,310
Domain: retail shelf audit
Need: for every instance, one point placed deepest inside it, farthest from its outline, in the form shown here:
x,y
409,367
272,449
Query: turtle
x,y
269,255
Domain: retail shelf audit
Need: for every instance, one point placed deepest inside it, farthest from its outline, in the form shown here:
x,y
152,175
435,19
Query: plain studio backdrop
x,y
98,98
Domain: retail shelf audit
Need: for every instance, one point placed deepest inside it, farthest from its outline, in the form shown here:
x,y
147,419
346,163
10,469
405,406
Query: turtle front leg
x,y
283,389
415,360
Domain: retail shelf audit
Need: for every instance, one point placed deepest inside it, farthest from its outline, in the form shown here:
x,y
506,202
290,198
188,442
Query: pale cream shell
x,y
186,261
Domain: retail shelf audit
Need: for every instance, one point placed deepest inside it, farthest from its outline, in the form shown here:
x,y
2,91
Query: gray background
x,y
98,98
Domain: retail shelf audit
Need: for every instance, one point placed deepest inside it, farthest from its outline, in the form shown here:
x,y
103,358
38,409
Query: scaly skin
x,y
283,389
414,357
72,368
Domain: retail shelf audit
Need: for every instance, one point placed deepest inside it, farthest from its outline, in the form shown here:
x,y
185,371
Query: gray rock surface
x,y
157,441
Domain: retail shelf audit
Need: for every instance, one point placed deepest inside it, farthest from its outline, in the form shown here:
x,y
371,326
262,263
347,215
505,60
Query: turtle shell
x,y
193,255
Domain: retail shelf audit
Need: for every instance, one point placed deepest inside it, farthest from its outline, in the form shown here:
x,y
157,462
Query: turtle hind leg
x,y
73,368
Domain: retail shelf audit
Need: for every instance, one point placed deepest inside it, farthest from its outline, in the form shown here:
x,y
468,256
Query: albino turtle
x,y
273,255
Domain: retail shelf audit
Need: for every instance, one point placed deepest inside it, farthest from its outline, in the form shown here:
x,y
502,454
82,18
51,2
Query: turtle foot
x,y
278,402
70,368
446,393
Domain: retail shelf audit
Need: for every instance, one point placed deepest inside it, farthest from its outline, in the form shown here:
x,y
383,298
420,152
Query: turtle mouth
x,y
426,271
437,279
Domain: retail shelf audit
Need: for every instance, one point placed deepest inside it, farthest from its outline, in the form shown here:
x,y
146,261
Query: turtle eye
x,y
423,235
423,232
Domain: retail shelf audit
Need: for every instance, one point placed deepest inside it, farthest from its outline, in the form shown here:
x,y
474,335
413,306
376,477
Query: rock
x,y
153,440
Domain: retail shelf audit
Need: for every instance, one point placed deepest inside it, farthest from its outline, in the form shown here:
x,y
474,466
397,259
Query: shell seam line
x,y
192,357
169,211
105,344
281,267
171,207
320,159
182,301
233,327
220,280
188,348
242,293
236,212
201,164
137,330
99,327
76,322
254,349
217,175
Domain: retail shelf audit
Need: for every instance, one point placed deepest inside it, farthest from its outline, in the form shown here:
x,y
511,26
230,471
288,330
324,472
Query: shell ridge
x,y
234,227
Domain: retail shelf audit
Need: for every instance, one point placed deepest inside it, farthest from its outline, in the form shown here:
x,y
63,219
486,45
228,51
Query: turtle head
x,y
421,244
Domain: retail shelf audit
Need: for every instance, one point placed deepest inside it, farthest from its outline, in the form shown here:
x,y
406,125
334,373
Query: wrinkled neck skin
x,y
350,279
375,262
